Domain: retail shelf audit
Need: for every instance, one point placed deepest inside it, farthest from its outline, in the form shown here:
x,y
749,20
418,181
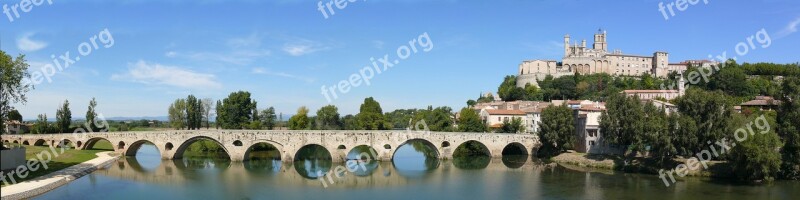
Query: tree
x,y
206,105
177,114
438,119
268,118
622,123
300,120
470,121
557,132
41,126
371,116
91,115
219,112
508,90
711,112
513,126
236,111
350,122
14,115
194,113
328,118
788,128
63,118
756,158
533,93
731,80
12,87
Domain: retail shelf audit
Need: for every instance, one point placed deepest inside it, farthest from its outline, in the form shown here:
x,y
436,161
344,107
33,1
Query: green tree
x,y
194,112
236,111
328,118
788,127
14,115
622,123
731,80
508,90
177,114
350,122
438,119
371,116
533,93
756,157
91,116
470,121
41,126
300,120
557,132
63,118
513,126
12,89
206,105
711,112
268,118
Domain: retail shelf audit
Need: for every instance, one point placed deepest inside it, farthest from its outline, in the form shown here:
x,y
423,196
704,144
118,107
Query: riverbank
x,y
717,169
43,184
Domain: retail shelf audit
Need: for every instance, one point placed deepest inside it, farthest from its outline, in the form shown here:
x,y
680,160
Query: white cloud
x,y
259,70
378,44
25,43
790,28
300,47
239,57
157,74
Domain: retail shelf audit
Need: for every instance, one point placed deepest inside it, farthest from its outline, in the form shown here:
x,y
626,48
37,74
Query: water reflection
x,y
312,161
416,158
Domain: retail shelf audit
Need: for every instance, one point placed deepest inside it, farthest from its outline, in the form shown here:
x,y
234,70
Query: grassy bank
x,y
66,159
717,169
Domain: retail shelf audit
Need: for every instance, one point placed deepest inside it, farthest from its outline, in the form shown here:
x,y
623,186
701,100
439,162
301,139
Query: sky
x,y
138,56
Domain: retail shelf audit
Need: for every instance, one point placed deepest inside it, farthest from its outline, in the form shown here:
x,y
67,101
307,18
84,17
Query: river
x,y
410,176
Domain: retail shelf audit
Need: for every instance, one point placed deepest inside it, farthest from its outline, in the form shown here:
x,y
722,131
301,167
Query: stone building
x,y
578,58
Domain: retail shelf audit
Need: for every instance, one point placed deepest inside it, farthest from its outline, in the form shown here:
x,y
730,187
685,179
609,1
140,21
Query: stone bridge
x,y
237,143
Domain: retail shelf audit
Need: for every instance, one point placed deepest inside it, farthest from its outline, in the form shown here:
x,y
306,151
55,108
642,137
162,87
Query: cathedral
x,y
578,58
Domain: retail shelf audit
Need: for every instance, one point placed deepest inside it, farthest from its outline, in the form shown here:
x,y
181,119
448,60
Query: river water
x,y
410,176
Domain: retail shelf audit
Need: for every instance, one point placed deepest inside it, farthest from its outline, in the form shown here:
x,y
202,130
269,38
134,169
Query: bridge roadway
x,y
237,143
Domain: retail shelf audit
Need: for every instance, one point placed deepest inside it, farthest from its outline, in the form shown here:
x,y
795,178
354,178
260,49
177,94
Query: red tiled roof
x,y
505,112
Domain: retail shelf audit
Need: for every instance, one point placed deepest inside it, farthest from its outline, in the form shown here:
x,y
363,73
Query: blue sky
x,y
283,51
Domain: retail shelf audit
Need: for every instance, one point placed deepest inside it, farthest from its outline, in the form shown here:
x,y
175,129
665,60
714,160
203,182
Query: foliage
x,y
711,112
194,113
268,118
14,115
437,119
401,118
508,90
63,118
41,126
91,115
300,120
788,128
12,89
756,158
470,121
206,104
371,116
177,114
732,80
513,126
328,118
557,132
350,122
622,124
235,111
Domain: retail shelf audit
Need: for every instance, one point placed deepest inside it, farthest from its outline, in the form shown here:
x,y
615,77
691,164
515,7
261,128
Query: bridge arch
x,y
429,144
40,142
134,147
185,145
516,148
92,141
484,150
25,142
277,146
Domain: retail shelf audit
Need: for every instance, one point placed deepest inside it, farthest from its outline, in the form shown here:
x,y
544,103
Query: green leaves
x,y
235,111
371,116
300,120
470,121
557,132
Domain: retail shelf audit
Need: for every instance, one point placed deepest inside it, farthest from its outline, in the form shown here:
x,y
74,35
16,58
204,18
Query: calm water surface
x,y
411,176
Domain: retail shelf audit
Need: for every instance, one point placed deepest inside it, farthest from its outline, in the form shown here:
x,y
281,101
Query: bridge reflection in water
x,y
238,175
